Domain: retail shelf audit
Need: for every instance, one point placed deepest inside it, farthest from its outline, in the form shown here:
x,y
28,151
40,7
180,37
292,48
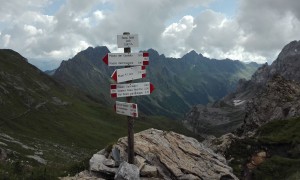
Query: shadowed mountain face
x,y
271,94
179,83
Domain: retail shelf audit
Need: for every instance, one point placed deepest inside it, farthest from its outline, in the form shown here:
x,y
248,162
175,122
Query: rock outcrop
x,y
217,119
164,155
263,98
278,101
221,144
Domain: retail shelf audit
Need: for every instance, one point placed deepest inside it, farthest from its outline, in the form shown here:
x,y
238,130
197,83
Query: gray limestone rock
x,y
164,155
127,171
99,163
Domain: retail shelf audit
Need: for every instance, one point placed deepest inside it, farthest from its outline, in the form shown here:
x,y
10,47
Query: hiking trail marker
x,y
135,68
128,74
128,109
131,89
127,40
127,59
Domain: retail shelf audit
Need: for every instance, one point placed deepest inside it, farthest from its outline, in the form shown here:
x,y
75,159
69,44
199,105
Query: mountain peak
x,y
192,55
12,53
291,49
153,52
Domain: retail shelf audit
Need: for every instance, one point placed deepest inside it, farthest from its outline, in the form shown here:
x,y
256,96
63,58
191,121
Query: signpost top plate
x,y
127,41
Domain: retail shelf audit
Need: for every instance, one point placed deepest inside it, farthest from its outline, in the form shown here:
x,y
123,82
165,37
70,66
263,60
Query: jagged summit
x,y
291,49
192,55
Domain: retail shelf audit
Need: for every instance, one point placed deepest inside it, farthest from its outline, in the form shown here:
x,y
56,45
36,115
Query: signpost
x,y
131,89
128,109
127,40
127,74
135,68
126,59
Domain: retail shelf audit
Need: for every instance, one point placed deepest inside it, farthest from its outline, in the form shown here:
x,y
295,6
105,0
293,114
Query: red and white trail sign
x,y
132,89
127,59
128,74
128,109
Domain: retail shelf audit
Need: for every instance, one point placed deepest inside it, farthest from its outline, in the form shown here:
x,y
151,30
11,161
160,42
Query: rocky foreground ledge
x,y
158,155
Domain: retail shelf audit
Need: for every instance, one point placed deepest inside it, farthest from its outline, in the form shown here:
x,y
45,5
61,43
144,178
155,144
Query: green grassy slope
x,y
281,139
40,117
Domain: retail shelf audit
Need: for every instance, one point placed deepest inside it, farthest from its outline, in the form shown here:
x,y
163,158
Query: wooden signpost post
x,y
135,68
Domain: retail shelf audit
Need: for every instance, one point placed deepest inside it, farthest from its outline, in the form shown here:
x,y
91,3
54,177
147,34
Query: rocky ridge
x,y
279,100
270,94
162,155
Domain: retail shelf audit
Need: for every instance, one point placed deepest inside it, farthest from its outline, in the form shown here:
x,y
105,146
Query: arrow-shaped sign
x,y
127,59
132,89
128,74
127,109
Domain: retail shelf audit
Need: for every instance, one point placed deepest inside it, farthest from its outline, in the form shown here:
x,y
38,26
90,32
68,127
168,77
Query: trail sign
x,y
127,40
128,109
131,89
126,59
127,74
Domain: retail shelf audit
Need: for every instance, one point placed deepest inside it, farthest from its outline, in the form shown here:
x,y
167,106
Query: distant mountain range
x,y
261,120
272,93
180,83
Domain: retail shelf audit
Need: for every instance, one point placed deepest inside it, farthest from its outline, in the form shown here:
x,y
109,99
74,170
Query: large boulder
x,y
176,156
161,155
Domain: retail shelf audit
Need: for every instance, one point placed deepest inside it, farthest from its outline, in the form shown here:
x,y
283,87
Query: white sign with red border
x,y
127,109
127,59
128,74
131,89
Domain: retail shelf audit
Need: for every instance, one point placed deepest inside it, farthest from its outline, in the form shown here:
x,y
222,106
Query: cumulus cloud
x,y
268,25
257,32
175,35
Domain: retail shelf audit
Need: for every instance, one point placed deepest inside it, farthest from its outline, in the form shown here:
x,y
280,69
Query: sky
x,y
49,31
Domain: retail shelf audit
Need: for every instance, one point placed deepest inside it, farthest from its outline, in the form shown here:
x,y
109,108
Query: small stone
x,y
127,171
262,154
139,162
97,163
149,171
188,177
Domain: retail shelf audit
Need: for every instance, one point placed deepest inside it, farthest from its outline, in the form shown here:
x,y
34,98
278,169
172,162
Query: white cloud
x,y
257,32
268,25
99,15
6,40
175,35
31,30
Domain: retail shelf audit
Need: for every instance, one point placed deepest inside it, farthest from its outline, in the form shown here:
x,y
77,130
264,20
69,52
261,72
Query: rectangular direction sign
x,y
127,59
126,41
131,89
128,74
127,109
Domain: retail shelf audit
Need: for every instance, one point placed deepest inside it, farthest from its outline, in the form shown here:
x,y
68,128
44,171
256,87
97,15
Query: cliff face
x,y
279,100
